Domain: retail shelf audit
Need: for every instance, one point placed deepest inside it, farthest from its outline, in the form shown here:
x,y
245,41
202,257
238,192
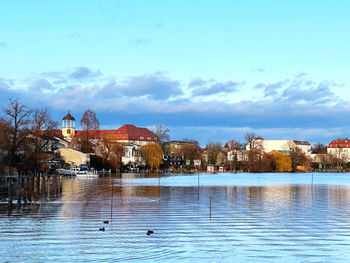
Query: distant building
x,y
216,168
68,127
283,146
130,136
340,148
174,154
73,156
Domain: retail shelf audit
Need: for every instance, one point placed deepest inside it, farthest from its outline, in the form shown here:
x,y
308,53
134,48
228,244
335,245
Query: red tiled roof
x,y
131,132
339,143
105,134
126,132
57,133
301,142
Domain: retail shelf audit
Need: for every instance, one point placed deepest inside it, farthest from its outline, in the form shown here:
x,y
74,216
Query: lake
x,y
195,218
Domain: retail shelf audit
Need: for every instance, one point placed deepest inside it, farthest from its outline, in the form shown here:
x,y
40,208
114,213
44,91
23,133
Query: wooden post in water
x,y
24,189
54,186
37,190
60,184
112,202
32,187
9,190
198,184
42,187
19,190
210,208
48,188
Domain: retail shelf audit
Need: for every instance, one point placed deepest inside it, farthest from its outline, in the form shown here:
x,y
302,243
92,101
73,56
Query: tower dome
x,y
68,126
68,117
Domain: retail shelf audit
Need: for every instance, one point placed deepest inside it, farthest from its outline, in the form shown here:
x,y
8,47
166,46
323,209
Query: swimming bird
x,y
102,229
106,222
149,232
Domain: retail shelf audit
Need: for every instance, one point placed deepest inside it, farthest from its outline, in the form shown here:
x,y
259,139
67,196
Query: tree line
x,y
24,144
22,135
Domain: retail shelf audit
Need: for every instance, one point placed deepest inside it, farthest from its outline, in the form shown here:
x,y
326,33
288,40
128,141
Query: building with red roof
x,y
129,135
283,146
340,148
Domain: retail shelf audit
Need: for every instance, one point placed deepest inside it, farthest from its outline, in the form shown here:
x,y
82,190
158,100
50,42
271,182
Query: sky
x,y
207,70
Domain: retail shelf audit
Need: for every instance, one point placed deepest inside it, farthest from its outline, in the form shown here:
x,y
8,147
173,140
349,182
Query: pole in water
x,y
210,208
112,202
198,185
198,179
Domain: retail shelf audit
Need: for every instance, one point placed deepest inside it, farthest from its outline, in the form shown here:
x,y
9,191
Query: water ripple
x,y
262,222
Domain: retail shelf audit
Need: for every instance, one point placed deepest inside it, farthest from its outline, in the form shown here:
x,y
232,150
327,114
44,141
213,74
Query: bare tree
x,y
213,151
16,121
88,122
233,147
250,137
41,128
191,151
298,157
319,148
162,133
112,153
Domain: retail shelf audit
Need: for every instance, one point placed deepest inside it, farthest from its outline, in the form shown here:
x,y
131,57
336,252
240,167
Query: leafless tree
x,y
162,133
16,127
88,122
250,137
319,148
191,151
233,148
213,151
38,144
112,153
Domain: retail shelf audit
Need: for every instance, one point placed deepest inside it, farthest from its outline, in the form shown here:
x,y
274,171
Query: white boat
x,y
64,172
86,174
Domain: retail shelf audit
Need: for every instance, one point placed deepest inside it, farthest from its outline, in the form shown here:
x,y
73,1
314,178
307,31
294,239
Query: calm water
x,y
254,218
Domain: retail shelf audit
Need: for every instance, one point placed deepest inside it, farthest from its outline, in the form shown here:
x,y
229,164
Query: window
x,y
148,138
124,136
68,131
141,137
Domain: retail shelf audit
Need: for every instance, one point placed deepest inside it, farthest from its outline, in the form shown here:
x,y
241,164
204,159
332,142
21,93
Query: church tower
x,y
68,126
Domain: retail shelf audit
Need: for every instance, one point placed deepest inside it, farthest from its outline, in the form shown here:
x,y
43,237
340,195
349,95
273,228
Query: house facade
x,y
283,146
340,148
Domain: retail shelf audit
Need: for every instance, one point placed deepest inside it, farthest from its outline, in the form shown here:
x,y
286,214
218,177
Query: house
x,y
216,168
283,146
131,137
175,153
340,148
73,156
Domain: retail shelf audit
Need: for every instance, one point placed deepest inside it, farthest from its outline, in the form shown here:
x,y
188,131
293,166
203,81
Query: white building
x,y
280,145
340,148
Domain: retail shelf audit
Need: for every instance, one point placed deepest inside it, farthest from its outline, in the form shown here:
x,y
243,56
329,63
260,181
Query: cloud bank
x,y
297,107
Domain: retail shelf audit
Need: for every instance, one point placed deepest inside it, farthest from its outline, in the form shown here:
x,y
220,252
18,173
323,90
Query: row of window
x,y
340,145
133,137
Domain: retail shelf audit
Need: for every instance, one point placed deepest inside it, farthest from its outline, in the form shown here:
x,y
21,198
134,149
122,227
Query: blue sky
x,y
208,70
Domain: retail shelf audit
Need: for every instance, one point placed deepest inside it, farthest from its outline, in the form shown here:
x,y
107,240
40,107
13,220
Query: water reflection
x,y
289,222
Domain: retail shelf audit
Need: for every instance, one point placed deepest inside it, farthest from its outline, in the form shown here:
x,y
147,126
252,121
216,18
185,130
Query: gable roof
x,y
131,132
301,142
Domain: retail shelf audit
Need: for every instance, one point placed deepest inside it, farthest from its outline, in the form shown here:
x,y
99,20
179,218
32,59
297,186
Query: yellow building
x,y
68,126
73,156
